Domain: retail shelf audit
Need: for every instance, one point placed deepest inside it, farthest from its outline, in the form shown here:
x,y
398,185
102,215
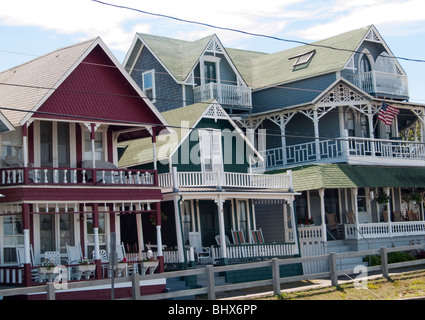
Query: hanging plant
x,y
416,197
382,199
152,218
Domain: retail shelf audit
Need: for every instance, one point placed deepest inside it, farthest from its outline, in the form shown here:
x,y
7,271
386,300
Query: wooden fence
x,y
211,289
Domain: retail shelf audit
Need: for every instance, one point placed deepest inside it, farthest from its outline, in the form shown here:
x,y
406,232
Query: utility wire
x,y
241,31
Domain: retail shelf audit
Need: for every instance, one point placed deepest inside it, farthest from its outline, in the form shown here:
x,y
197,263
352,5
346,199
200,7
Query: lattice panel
x,y
215,112
341,93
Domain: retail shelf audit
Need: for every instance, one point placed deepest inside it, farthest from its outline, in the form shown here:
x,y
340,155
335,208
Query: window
x,y
210,150
54,144
302,60
243,218
11,152
90,233
56,231
12,236
350,123
98,146
149,84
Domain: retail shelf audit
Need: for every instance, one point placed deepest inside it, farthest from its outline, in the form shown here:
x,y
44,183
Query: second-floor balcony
x,y
219,180
77,176
382,83
348,149
237,96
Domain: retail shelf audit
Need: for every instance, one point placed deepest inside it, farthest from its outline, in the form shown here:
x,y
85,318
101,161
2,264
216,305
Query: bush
x,y
393,257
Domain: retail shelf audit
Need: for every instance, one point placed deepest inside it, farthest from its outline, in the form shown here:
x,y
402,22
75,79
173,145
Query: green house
x,y
209,192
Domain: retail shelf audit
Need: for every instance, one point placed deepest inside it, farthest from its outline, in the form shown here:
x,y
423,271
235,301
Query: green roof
x,y
259,69
339,176
141,150
178,56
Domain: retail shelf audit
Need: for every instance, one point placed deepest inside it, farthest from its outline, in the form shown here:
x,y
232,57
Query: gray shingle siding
x,y
168,92
299,92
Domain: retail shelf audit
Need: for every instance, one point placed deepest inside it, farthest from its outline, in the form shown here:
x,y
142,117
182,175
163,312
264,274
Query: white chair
x,y
20,257
74,254
104,260
51,259
257,236
203,254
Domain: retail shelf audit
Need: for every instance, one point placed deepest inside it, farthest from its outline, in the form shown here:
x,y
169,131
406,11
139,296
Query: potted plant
x,y
415,197
150,264
152,218
382,199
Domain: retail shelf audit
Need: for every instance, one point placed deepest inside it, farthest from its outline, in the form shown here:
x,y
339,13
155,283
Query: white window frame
x,y
210,152
213,59
104,152
145,88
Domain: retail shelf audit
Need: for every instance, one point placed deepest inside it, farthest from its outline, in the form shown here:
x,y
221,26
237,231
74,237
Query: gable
x,y
96,90
184,121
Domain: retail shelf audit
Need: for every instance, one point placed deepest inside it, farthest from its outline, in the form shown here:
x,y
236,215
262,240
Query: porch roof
x,y
338,176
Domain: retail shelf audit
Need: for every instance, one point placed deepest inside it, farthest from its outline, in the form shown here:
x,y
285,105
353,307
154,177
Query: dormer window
x,y
302,60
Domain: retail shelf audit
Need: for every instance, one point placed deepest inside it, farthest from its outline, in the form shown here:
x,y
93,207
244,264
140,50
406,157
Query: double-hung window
x,y
210,150
149,84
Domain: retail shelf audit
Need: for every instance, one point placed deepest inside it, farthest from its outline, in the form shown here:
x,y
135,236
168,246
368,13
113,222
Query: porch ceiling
x,y
338,176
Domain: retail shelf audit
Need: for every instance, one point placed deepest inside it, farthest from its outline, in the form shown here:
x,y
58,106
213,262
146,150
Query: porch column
x,y
294,229
223,246
354,193
160,255
316,133
96,240
154,147
322,212
93,148
283,139
25,151
389,208
180,245
371,135
27,251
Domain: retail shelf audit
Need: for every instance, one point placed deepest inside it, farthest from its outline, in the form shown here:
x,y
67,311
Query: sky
x,y
29,28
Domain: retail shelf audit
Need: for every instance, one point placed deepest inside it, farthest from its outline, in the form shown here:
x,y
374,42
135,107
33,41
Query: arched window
x,y
365,65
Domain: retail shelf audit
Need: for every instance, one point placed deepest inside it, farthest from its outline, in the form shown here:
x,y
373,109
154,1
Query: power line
x,y
242,31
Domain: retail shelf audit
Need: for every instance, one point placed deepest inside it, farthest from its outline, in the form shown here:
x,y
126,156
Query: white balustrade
x,y
76,176
225,94
226,179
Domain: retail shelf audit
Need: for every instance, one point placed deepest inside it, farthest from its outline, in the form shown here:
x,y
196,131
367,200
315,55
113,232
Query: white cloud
x,y
355,14
299,19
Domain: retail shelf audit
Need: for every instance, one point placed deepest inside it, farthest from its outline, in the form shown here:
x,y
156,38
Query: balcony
x,y
225,94
77,176
218,180
382,84
349,149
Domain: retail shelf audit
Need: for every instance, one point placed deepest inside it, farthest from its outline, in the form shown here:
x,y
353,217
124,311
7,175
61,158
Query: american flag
x,y
387,113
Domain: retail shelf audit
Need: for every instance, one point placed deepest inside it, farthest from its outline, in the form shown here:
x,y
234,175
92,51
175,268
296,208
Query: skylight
x,y
302,60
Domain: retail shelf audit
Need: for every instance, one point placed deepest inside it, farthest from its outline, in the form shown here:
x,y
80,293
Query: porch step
x,y
339,246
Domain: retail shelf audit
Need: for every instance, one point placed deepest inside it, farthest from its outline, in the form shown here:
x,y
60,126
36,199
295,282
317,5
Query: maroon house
x,y
63,115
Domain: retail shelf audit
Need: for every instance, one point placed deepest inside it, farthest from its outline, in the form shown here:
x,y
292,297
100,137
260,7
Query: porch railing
x,y
377,82
252,251
313,233
225,94
344,148
385,229
224,179
83,176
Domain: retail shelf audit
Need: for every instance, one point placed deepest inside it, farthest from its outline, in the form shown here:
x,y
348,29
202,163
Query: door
x,y
210,74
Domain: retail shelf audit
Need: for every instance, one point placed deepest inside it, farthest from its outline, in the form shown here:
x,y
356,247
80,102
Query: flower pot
x,y
151,265
85,269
